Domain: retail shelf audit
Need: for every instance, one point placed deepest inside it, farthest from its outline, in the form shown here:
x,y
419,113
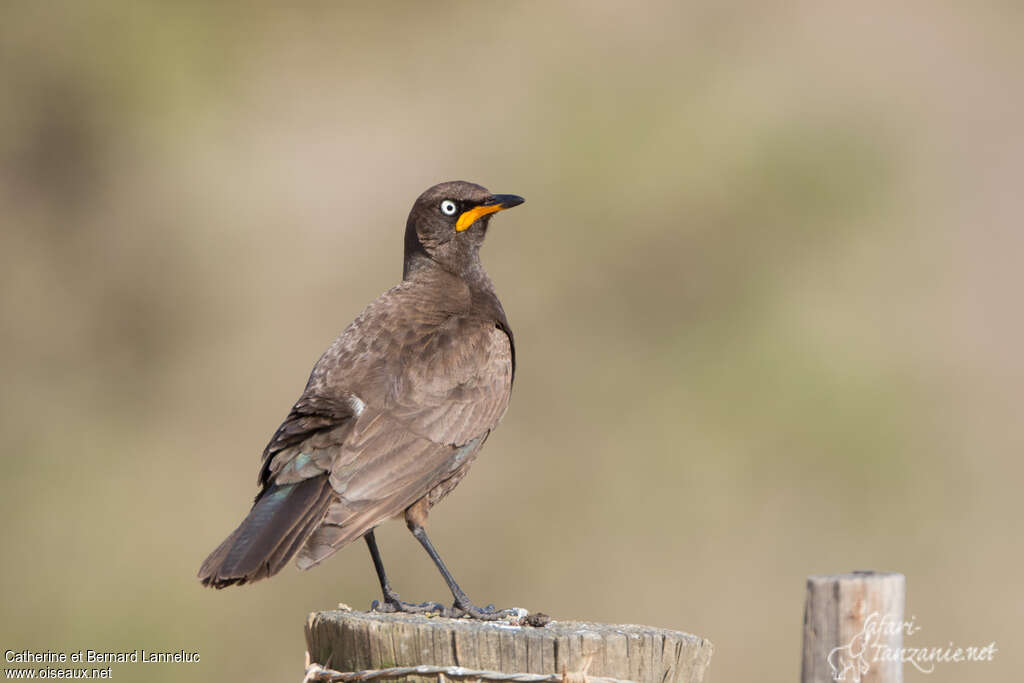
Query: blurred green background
x,y
766,290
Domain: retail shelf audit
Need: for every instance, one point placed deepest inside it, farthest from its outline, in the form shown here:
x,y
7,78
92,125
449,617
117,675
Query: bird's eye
x,y
448,207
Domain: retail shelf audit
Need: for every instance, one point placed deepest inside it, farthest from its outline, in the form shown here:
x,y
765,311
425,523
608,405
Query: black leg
x,y
462,601
392,603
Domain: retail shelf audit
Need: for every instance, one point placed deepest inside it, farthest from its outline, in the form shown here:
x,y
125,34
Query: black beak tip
x,y
506,201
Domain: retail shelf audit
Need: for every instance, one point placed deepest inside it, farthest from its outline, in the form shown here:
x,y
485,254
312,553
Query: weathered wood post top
x,y
350,641
843,616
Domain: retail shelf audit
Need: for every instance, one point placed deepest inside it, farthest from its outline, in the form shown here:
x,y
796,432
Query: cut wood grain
x,y
357,641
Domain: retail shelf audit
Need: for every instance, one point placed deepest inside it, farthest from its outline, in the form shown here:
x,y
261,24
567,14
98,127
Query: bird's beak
x,y
497,202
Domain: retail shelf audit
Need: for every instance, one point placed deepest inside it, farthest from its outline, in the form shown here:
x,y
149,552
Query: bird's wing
x,y
307,442
450,390
455,384
448,393
393,408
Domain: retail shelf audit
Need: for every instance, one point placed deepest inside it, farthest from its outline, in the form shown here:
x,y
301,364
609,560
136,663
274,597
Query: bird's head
x,y
448,223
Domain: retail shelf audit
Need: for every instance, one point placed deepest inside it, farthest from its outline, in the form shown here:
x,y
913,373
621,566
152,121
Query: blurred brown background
x,y
766,291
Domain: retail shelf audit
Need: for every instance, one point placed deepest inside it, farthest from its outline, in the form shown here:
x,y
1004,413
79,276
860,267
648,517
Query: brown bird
x,y
394,412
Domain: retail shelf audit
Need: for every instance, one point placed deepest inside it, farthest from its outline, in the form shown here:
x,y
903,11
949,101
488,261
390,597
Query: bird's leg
x,y
392,603
463,605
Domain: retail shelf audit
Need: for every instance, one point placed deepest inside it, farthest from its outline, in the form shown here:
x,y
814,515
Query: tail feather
x,y
280,521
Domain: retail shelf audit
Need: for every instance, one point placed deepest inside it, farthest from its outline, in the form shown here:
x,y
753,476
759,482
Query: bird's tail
x,y
281,520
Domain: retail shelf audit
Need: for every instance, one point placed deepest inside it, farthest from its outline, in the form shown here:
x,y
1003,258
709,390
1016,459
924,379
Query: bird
x,y
393,414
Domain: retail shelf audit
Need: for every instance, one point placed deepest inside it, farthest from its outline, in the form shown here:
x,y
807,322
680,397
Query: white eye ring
x,y
448,207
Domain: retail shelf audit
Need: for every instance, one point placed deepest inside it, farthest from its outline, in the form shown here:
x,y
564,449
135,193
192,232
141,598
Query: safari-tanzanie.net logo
x,y
871,646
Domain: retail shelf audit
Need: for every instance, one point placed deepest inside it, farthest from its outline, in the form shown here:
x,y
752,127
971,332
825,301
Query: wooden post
x,y
351,641
851,621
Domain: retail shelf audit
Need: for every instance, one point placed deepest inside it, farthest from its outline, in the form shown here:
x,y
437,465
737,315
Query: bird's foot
x,y
461,609
489,613
393,604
